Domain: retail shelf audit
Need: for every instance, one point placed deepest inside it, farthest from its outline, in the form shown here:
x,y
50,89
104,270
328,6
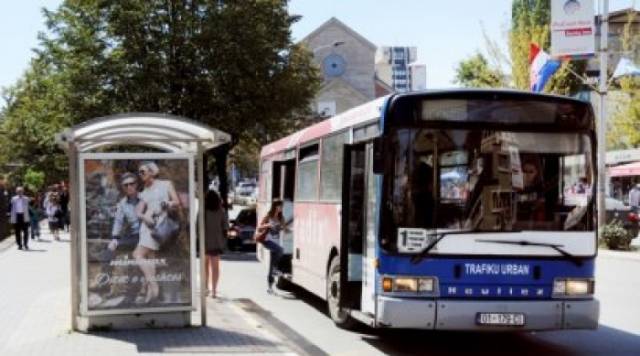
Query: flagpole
x,y
602,124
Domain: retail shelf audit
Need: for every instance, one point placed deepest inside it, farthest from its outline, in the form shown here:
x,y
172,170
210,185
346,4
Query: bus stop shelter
x,y
119,285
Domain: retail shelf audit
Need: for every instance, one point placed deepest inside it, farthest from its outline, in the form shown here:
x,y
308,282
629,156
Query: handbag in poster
x,y
138,251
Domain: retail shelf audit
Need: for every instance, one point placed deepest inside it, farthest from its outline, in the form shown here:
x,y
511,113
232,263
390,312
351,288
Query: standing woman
x,y
273,222
54,215
216,226
157,198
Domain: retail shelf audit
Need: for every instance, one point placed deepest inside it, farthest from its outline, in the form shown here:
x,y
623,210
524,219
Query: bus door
x,y
284,173
352,226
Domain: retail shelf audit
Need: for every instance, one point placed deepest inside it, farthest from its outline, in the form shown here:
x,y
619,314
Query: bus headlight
x,y
405,284
426,285
409,284
573,287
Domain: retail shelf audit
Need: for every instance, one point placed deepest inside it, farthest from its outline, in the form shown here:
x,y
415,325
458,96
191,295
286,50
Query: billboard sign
x,y
572,28
137,233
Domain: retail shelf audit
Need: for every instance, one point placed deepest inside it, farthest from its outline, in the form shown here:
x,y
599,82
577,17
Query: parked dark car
x,y
617,210
242,229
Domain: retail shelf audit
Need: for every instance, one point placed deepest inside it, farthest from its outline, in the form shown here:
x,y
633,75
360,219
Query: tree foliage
x,y
530,24
230,64
475,72
624,123
34,180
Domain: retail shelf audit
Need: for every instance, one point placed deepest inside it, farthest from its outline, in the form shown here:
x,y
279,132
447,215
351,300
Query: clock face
x,y
334,65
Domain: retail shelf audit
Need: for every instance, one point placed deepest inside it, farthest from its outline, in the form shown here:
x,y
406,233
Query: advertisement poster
x,y
137,246
572,28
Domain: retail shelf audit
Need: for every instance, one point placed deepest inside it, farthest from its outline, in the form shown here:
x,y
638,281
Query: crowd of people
x,y
28,210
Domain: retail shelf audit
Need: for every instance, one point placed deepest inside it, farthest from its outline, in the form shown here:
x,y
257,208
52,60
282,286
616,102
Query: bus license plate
x,y
509,319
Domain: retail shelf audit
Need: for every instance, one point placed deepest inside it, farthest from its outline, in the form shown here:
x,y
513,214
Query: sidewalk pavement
x,y
35,316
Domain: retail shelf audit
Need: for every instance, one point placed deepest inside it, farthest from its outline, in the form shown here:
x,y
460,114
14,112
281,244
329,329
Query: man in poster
x,y
126,229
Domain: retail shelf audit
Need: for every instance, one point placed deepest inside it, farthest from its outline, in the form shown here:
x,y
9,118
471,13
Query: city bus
x,y
446,210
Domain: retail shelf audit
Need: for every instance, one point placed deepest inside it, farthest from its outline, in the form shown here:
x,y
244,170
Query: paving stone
x,y
35,302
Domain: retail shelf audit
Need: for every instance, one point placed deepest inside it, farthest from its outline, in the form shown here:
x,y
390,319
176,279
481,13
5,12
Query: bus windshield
x,y
487,181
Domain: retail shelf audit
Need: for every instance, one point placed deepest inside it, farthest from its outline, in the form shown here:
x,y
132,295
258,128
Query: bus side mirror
x,y
378,155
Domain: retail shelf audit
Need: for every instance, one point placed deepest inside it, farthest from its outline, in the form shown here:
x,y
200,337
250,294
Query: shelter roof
x,y
165,132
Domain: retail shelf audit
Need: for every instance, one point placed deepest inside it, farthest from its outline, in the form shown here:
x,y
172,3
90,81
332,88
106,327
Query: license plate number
x,y
509,319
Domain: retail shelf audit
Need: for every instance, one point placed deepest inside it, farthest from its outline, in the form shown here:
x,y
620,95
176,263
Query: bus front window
x,y
487,181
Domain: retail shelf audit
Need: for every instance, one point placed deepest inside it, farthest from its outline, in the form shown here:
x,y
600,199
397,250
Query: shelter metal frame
x,y
173,134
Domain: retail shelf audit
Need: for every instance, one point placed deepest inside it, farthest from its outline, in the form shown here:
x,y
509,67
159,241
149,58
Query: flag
x,y
626,67
541,67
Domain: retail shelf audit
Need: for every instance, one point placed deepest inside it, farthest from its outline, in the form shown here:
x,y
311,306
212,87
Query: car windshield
x,y
246,217
488,181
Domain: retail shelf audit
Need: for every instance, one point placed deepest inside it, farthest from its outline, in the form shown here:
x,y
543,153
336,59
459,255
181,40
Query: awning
x,y
631,169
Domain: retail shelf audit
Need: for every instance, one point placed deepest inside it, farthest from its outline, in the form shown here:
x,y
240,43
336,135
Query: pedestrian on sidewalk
x,y
64,205
273,223
216,226
634,197
20,218
35,215
54,215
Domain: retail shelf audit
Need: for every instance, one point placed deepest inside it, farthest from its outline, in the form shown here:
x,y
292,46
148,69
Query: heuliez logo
x,y
495,291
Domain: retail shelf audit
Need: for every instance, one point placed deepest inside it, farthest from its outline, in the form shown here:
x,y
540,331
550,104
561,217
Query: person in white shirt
x,y
634,197
20,218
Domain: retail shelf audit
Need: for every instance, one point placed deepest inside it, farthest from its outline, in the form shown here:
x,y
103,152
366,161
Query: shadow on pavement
x,y
239,256
605,341
405,342
34,250
192,340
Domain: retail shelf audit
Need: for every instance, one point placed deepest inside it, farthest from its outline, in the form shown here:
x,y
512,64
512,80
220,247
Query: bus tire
x,y
339,316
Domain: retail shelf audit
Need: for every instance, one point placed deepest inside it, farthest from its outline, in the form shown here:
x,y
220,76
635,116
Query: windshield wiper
x,y
559,248
439,236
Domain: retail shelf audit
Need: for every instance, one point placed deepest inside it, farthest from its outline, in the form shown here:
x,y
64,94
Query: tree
x,y
624,123
34,180
230,64
475,72
530,23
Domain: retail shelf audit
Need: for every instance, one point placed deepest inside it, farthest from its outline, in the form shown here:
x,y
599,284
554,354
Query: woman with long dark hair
x,y
273,222
216,226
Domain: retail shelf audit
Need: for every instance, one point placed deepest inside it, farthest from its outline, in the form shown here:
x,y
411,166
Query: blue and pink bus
x,y
452,210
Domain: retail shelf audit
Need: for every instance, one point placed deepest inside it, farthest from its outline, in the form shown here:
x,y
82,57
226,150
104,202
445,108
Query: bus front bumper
x,y
463,314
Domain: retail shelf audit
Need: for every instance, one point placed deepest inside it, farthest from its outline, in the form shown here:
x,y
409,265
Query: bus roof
x,y
352,117
372,110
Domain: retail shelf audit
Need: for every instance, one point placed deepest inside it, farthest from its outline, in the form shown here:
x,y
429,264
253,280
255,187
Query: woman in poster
x,y
157,198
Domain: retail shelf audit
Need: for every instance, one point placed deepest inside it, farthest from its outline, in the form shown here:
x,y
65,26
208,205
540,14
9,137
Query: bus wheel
x,y
339,316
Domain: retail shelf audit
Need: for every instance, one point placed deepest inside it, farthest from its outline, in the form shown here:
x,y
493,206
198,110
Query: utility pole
x,y
602,123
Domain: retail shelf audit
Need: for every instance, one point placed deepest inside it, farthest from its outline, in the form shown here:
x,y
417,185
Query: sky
x,y
445,32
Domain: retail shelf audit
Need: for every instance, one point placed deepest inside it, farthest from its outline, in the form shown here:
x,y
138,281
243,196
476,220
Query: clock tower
x,y
346,61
